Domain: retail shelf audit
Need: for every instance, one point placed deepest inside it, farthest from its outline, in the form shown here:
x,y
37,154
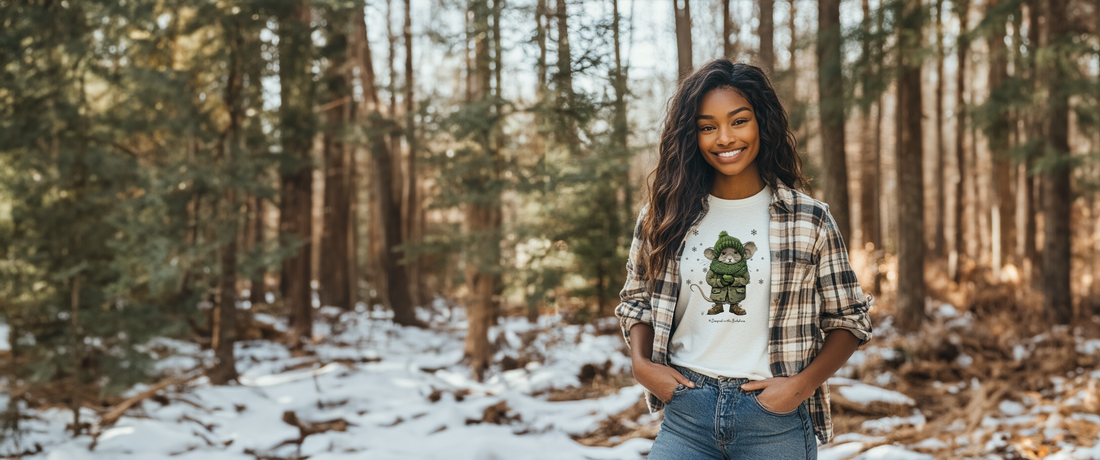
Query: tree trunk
x,y
620,217
1057,196
484,217
297,125
1004,198
335,282
390,204
958,252
396,179
683,36
910,191
412,182
255,142
224,334
564,80
766,31
831,109
939,177
729,31
870,226
1034,127
542,26
256,289
76,356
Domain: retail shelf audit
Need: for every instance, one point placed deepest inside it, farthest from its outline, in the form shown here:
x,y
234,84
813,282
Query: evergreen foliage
x,y
116,167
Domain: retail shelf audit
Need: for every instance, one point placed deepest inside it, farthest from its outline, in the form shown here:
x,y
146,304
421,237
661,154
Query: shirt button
x,y
776,300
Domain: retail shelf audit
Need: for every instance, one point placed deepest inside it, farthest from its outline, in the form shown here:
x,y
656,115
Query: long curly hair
x,y
683,178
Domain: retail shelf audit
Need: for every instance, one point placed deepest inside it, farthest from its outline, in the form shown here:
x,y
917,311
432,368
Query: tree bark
x,y
766,31
910,191
484,217
390,204
297,125
563,81
542,92
831,110
621,212
256,145
683,36
335,280
257,291
225,316
939,211
1034,127
412,182
870,226
1004,198
958,252
397,179
1057,196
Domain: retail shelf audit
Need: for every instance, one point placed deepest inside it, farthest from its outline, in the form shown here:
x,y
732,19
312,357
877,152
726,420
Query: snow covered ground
x,y
382,380
402,393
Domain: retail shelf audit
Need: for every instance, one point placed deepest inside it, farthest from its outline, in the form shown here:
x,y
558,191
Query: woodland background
x,y
212,171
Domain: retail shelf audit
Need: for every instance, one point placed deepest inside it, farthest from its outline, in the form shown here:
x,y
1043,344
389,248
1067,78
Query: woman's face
x,y
729,137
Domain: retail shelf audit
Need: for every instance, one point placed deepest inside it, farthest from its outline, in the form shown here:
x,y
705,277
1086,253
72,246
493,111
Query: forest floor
x,y
988,382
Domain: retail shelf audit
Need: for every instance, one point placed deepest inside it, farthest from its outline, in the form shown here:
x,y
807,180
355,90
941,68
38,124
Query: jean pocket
x,y
760,406
680,389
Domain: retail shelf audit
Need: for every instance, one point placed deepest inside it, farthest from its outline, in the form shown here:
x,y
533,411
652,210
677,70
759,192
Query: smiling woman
x,y
730,142
740,372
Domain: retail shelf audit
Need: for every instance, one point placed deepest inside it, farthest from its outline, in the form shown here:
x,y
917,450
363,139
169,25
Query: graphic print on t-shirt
x,y
728,274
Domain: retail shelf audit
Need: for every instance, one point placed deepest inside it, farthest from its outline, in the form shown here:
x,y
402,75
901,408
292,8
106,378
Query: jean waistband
x,y
708,380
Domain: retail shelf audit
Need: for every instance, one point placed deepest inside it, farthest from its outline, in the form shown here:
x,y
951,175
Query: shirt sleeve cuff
x,y
858,323
630,314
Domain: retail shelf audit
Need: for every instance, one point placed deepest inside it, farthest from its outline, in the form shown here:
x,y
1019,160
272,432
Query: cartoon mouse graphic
x,y
728,274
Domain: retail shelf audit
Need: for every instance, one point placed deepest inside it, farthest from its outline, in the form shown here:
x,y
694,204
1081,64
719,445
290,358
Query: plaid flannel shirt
x,y
813,290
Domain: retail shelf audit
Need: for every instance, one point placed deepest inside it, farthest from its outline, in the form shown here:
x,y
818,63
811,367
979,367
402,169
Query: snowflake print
x,y
695,232
761,281
694,249
705,269
754,231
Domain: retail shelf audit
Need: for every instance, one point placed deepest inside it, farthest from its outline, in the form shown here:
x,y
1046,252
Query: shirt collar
x,y
782,196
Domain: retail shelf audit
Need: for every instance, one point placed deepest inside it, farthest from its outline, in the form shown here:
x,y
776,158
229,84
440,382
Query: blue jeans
x,y
719,420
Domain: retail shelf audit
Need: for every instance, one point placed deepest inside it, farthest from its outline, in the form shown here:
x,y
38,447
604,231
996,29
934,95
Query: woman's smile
x,y
729,156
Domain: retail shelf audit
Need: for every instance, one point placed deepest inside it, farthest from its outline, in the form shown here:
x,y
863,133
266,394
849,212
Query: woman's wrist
x,y
803,385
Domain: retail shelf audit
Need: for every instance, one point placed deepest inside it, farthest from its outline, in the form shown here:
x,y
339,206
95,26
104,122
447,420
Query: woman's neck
x,y
741,186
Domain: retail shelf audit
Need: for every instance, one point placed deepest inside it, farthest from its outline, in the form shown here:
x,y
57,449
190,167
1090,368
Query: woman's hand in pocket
x,y
780,395
659,379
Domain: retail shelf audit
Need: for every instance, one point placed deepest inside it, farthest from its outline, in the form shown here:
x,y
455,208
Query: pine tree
x,y
959,253
297,125
831,104
910,286
389,204
1057,195
337,285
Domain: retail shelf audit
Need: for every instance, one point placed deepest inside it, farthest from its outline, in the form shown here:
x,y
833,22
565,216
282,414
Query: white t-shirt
x,y
730,340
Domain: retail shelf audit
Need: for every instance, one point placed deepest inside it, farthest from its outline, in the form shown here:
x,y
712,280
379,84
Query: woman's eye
x,y
740,122
706,128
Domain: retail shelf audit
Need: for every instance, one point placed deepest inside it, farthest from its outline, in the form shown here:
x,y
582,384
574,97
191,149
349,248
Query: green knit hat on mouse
x,y
727,241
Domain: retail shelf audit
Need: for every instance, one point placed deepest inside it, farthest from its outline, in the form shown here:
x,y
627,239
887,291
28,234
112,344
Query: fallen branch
x,y
113,415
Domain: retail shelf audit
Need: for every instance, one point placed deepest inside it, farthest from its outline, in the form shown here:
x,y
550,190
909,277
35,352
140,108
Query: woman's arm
x,y
843,319
659,379
783,394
